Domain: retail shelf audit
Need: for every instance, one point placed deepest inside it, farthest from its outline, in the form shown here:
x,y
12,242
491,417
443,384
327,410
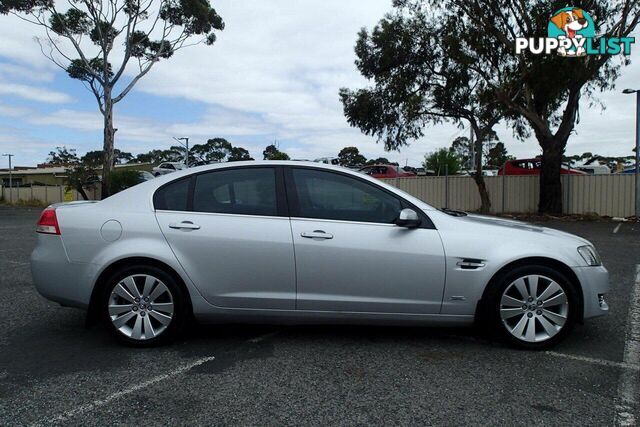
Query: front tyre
x,y
533,307
143,306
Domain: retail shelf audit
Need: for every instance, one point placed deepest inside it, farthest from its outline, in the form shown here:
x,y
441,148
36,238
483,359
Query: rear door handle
x,y
185,225
316,234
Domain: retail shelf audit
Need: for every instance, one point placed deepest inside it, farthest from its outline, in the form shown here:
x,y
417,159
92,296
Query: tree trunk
x,y
83,193
107,146
550,184
485,201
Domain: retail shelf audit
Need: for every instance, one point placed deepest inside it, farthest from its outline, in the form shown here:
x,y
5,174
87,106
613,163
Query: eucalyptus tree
x,y
416,84
109,45
540,94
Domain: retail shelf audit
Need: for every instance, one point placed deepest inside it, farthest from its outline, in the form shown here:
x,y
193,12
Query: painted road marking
x,y
101,402
602,362
615,230
628,384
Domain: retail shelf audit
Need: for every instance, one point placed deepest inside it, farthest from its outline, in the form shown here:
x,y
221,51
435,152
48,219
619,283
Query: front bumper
x,y
595,286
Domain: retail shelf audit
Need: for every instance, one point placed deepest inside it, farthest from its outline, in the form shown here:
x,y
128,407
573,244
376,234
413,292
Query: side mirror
x,y
408,218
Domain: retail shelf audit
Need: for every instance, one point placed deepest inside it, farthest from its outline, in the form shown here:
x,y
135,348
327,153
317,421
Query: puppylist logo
x,y
571,32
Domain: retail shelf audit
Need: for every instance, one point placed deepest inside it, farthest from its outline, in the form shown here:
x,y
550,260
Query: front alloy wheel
x,y
532,307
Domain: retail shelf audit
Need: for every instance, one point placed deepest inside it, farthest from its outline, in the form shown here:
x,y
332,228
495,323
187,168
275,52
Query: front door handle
x,y
316,234
185,225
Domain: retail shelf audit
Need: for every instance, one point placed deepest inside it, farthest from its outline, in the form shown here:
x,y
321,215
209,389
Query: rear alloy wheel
x,y
534,307
144,306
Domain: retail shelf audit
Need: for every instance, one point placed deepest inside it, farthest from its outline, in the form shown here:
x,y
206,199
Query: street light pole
x,y
637,171
186,145
10,177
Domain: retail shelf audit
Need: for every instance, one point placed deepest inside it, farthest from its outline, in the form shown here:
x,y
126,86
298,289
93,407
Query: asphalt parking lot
x,y
53,370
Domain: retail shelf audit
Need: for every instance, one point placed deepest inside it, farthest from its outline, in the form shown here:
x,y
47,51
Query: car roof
x,y
135,194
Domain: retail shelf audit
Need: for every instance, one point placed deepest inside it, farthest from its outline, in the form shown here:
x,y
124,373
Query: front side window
x,y
328,195
249,191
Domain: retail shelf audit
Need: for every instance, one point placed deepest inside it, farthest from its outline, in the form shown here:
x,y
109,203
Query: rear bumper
x,y
595,284
56,278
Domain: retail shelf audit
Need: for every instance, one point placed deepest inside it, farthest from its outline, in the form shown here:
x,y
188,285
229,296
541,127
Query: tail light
x,y
48,222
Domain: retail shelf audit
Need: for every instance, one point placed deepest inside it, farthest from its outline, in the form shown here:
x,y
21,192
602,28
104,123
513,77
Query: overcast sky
x,y
274,73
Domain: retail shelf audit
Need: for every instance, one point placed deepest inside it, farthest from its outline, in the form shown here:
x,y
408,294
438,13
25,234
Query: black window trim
x,y
282,208
294,207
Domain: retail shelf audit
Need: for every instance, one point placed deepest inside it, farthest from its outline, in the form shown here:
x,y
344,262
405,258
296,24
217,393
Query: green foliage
x,y
461,148
350,156
497,156
378,161
123,179
62,156
273,153
214,150
86,71
239,154
442,162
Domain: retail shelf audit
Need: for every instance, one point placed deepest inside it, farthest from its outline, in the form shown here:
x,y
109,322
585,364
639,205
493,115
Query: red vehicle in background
x,y
386,171
531,167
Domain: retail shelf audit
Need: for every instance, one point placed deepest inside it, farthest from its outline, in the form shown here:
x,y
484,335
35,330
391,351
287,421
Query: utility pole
x,y
637,171
186,145
10,178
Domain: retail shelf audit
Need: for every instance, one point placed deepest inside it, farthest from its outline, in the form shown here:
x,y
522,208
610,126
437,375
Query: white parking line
x,y
615,230
101,402
628,384
16,262
262,337
603,362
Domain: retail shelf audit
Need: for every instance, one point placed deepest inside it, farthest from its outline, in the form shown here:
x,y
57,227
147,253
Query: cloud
x,y
274,72
34,93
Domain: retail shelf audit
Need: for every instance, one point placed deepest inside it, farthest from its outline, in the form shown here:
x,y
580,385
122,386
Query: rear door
x,y
351,257
230,231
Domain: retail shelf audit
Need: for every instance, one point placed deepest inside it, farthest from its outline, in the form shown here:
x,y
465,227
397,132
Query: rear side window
x,y
248,191
173,196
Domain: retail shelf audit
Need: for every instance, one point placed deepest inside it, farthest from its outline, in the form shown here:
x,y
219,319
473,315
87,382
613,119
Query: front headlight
x,y
590,256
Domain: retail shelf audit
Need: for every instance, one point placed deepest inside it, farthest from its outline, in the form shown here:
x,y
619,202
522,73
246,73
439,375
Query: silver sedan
x,y
302,242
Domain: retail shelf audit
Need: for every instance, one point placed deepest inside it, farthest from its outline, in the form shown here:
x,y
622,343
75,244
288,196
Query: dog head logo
x,y
571,26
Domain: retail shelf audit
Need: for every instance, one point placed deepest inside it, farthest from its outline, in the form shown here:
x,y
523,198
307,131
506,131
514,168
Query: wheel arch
x,y
101,281
544,261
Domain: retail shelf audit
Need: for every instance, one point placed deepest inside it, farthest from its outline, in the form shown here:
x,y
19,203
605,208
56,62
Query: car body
x,y
628,169
385,171
531,167
594,169
167,167
292,242
146,176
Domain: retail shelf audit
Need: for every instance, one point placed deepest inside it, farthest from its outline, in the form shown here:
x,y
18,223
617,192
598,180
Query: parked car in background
x,y
594,169
385,171
146,176
167,167
628,169
531,167
328,160
280,241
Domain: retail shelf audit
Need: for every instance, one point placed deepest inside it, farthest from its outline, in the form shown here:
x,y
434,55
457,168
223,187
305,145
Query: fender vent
x,y
470,264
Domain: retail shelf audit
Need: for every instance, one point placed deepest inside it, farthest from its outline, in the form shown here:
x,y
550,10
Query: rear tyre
x,y
144,306
532,307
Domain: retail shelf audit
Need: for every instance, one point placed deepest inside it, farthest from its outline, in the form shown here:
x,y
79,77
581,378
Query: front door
x,y
232,237
351,257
